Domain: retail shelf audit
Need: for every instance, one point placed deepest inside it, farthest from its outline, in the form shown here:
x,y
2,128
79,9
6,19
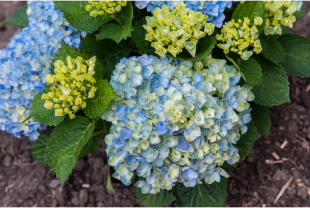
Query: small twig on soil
x,y
308,88
283,144
303,139
25,164
8,187
271,162
85,185
234,175
283,190
275,155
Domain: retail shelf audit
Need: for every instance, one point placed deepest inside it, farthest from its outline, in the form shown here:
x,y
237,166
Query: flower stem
x,y
97,133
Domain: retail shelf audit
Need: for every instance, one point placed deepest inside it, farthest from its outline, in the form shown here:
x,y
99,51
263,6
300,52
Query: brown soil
x,y
253,182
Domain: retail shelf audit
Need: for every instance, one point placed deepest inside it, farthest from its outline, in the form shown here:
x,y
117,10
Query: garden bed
x,y
253,182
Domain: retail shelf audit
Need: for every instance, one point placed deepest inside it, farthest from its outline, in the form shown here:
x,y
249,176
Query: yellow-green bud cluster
x,y
179,28
72,85
280,13
238,37
97,8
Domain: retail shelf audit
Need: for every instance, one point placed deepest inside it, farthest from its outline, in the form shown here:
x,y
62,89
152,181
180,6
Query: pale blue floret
x,y
175,124
214,9
26,61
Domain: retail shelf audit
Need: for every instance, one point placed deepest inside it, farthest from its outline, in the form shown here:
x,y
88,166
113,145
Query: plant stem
x,y
97,133
117,19
97,119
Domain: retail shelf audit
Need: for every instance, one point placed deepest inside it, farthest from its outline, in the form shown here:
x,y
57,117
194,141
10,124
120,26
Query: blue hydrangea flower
x,y
26,61
173,123
214,9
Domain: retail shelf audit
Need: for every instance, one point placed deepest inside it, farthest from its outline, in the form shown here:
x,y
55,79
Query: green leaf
x,y
247,141
101,129
202,195
37,147
272,49
261,118
138,14
90,146
108,52
163,198
274,89
297,54
116,31
96,106
138,35
251,9
204,48
76,14
39,113
300,14
250,69
66,50
66,143
19,18
285,30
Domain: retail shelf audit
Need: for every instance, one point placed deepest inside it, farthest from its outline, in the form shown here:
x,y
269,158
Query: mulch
x,y
254,182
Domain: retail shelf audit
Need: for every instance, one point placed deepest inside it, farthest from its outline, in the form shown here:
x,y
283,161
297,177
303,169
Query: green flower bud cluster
x,y
72,85
176,29
238,37
280,13
97,8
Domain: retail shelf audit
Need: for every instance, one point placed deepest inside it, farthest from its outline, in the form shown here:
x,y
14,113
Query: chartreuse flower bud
x,y
71,86
238,37
280,13
171,31
175,121
98,8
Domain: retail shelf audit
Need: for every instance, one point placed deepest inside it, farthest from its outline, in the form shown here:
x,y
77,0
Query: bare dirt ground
x,y
253,182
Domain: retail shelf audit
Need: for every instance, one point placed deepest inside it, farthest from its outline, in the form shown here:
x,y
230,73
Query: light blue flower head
x,y
174,123
26,61
214,9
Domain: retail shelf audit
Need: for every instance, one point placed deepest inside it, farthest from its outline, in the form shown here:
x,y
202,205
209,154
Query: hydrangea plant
x,y
26,61
178,90
173,123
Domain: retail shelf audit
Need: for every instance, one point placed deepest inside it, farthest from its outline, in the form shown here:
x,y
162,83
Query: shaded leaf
x,y
76,14
19,18
272,49
247,141
163,198
300,14
250,69
108,52
297,54
261,118
90,146
202,195
39,113
138,35
66,143
96,106
116,31
274,89
204,48
37,147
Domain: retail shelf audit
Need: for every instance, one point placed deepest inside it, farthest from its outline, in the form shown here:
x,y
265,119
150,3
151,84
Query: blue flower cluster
x,y
214,9
26,61
175,121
